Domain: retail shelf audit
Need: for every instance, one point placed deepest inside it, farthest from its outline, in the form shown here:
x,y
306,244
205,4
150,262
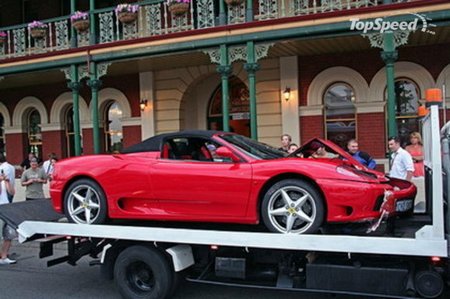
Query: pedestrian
x,y
7,232
286,139
402,165
292,148
362,157
33,179
48,164
319,151
26,162
10,171
415,149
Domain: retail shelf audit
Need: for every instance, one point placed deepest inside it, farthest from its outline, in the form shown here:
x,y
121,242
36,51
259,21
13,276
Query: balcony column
x,y
389,56
94,83
225,70
222,13
73,32
251,67
92,37
75,86
249,11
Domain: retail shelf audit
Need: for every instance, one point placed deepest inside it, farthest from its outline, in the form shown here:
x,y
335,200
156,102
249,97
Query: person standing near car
x,y
362,157
10,172
7,233
286,140
33,179
402,166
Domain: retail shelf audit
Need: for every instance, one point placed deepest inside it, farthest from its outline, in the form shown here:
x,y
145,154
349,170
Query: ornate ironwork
x,y
102,69
19,41
74,86
62,35
205,13
237,53
331,5
153,19
214,55
251,67
224,70
261,50
94,84
83,38
130,30
389,57
236,13
83,72
106,26
66,72
376,39
268,9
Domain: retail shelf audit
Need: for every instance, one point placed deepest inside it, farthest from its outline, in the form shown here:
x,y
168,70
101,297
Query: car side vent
x,y
378,203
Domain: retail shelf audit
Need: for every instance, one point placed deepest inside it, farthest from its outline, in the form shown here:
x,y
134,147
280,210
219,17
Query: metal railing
x,y
155,17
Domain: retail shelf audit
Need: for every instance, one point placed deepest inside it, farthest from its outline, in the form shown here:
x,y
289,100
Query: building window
x,y
34,132
113,128
340,119
239,108
69,132
2,134
407,102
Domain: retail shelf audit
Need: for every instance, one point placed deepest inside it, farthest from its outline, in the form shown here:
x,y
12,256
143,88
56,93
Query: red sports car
x,y
211,176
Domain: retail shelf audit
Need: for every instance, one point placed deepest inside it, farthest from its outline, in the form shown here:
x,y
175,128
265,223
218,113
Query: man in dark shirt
x,y
362,157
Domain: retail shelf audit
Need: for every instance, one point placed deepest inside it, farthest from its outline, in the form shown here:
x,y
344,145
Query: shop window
x,y
69,132
239,108
113,128
340,117
407,96
34,132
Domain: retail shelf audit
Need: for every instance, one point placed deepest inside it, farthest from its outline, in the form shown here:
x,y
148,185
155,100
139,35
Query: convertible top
x,y
153,144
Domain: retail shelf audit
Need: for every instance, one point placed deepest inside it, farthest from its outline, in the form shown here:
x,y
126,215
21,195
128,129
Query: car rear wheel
x,y
292,206
85,202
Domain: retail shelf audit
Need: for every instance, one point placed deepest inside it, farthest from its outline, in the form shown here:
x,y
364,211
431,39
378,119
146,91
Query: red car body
x,y
145,183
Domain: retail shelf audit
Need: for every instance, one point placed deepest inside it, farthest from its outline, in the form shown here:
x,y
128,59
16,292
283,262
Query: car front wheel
x,y
292,206
85,202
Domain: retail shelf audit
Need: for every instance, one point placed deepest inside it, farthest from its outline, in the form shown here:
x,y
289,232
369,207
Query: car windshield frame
x,y
254,149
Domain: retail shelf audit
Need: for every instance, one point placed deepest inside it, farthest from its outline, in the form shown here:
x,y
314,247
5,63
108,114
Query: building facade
x,y
259,68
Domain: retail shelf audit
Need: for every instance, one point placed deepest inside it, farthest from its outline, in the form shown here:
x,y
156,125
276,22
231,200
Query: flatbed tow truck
x,y
411,260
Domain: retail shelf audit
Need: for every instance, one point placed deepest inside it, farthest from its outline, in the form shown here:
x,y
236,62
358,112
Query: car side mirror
x,y
225,152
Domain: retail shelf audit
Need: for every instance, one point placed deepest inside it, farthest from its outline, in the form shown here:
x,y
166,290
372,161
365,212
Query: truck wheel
x,y
143,273
429,284
292,206
85,202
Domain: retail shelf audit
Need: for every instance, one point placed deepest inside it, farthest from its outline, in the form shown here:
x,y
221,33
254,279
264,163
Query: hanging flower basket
x,y
234,2
38,33
81,25
127,17
178,9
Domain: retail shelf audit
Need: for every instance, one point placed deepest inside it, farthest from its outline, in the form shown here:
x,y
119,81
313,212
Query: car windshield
x,y
255,149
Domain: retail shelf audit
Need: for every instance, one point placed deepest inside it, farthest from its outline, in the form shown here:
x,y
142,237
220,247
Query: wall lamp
x,y
287,93
143,104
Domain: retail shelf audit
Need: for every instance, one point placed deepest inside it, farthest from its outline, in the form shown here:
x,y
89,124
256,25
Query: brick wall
x,y
131,135
88,142
371,129
310,127
15,149
53,142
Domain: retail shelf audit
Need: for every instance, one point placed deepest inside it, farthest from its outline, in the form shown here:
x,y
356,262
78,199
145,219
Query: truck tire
x,y
429,284
293,206
143,273
85,203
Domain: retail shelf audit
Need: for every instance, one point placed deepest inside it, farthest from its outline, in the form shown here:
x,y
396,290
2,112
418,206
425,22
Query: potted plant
x,y
80,21
127,13
3,36
37,29
178,7
233,2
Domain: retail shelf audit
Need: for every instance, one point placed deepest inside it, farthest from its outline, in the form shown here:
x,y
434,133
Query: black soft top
x,y
153,144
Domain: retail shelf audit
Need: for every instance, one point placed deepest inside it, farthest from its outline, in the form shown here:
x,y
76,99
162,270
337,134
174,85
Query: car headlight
x,y
347,172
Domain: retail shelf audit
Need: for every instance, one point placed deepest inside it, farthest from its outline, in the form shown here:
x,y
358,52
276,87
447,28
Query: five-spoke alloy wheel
x,y
85,203
292,206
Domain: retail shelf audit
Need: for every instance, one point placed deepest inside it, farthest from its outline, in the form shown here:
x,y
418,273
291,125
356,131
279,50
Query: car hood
x,y
345,157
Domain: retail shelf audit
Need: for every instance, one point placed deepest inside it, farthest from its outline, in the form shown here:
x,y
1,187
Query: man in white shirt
x,y
48,165
10,172
402,165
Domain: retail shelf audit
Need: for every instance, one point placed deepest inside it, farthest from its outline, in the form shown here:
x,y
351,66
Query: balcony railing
x,y
154,18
